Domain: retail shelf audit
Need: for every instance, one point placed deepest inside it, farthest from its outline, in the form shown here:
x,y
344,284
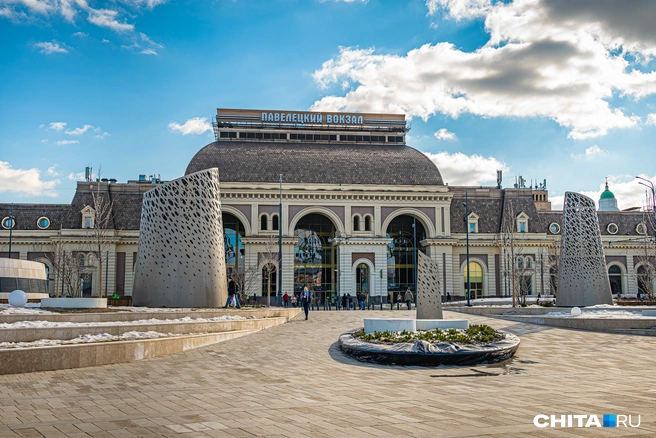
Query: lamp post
x,y
466,205
280,222
11,221
650,185
414,245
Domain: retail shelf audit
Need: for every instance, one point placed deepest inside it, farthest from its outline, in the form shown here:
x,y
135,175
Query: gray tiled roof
x,y
320,163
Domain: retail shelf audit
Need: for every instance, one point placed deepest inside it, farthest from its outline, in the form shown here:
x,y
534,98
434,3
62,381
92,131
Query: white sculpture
x,y
17,298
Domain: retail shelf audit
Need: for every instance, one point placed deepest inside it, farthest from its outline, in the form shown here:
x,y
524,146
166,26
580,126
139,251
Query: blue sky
x,y
563,91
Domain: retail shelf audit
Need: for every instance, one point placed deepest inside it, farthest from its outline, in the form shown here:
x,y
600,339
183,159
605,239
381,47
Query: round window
x,y
612,228
554,228
43,223
640,228
8,222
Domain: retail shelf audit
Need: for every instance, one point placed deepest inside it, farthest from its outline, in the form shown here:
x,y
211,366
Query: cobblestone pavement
x,y
293,381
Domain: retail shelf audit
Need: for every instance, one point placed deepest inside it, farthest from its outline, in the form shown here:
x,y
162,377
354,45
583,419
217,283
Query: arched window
x,y
314,256
264,222
233,232
367,223
274,222
356,223
475,280
615,277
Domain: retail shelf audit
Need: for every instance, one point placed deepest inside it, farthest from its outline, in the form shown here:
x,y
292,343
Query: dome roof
x,y
607,194
318,163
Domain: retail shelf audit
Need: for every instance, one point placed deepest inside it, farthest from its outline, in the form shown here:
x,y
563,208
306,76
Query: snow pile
x,y
85,339
29,309
49,324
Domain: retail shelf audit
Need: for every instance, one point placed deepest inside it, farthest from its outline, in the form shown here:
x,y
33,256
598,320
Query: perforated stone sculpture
x,y
429,300
582,277
180,261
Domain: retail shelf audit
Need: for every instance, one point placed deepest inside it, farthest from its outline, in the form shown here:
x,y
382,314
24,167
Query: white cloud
x,y
45,140
105,41
196,125
52,171
80,34
102,136
107,18
538,62
590,152
57,126
459,169
148,52
48,48
25,182
76,176
42,125
65,142
444,134
651,120
79,131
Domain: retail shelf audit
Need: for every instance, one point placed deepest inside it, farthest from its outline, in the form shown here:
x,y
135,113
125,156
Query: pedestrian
x,y
448,297
285,299
344,303
398,301
338,302
349,301
538,300
409,298
306,297
361,298
293,300
232,296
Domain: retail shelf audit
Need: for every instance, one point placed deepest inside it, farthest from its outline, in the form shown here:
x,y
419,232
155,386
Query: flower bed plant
x,y
475,334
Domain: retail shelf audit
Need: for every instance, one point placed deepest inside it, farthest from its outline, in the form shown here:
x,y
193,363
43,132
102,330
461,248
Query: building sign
x,y
242,117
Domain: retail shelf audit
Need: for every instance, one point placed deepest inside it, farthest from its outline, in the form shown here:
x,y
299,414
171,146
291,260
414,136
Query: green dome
x,y
607,194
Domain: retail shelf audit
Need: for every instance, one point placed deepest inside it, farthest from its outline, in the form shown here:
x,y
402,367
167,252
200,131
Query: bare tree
x,y
645,273
512,247
100,233
250,275
66,266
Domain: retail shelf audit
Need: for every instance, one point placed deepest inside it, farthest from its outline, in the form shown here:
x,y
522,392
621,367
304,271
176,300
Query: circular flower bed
x,y
474,345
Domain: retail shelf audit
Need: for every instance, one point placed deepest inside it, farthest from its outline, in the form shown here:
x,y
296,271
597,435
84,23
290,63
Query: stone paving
x,y
293,381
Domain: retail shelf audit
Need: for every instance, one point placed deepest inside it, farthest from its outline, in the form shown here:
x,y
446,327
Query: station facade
x,y
352,203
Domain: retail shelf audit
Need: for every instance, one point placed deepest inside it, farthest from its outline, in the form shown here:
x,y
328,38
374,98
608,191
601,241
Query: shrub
x,y
475,334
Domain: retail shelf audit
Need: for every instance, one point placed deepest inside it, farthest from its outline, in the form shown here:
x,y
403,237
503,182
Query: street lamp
x,y
466,205
280,222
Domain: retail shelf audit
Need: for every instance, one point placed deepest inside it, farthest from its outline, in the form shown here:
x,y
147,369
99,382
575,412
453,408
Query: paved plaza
x,y
293,381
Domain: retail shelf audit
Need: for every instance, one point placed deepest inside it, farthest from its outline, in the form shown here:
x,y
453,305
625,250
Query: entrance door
x,y
362,278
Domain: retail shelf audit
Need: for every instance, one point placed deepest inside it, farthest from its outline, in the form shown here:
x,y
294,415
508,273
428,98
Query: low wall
x,y
594,324
14,361
65,333
288,313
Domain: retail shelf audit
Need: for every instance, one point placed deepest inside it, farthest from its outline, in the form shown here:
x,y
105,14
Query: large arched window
x,y
615,277
233,232
475,280
402,252
314,257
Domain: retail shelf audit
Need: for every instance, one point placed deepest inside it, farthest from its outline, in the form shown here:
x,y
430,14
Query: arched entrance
x,y
314,258
233,232
362,280
615,277
475,280
406,233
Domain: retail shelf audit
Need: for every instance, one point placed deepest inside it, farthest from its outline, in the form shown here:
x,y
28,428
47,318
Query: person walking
x,y
285,299
232,294
349,301
448,297
306,297
344,303
409,298
398,301
338,302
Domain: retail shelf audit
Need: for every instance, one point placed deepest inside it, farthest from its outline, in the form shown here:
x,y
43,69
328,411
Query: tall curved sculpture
x,y
180,261
582,277
429,299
